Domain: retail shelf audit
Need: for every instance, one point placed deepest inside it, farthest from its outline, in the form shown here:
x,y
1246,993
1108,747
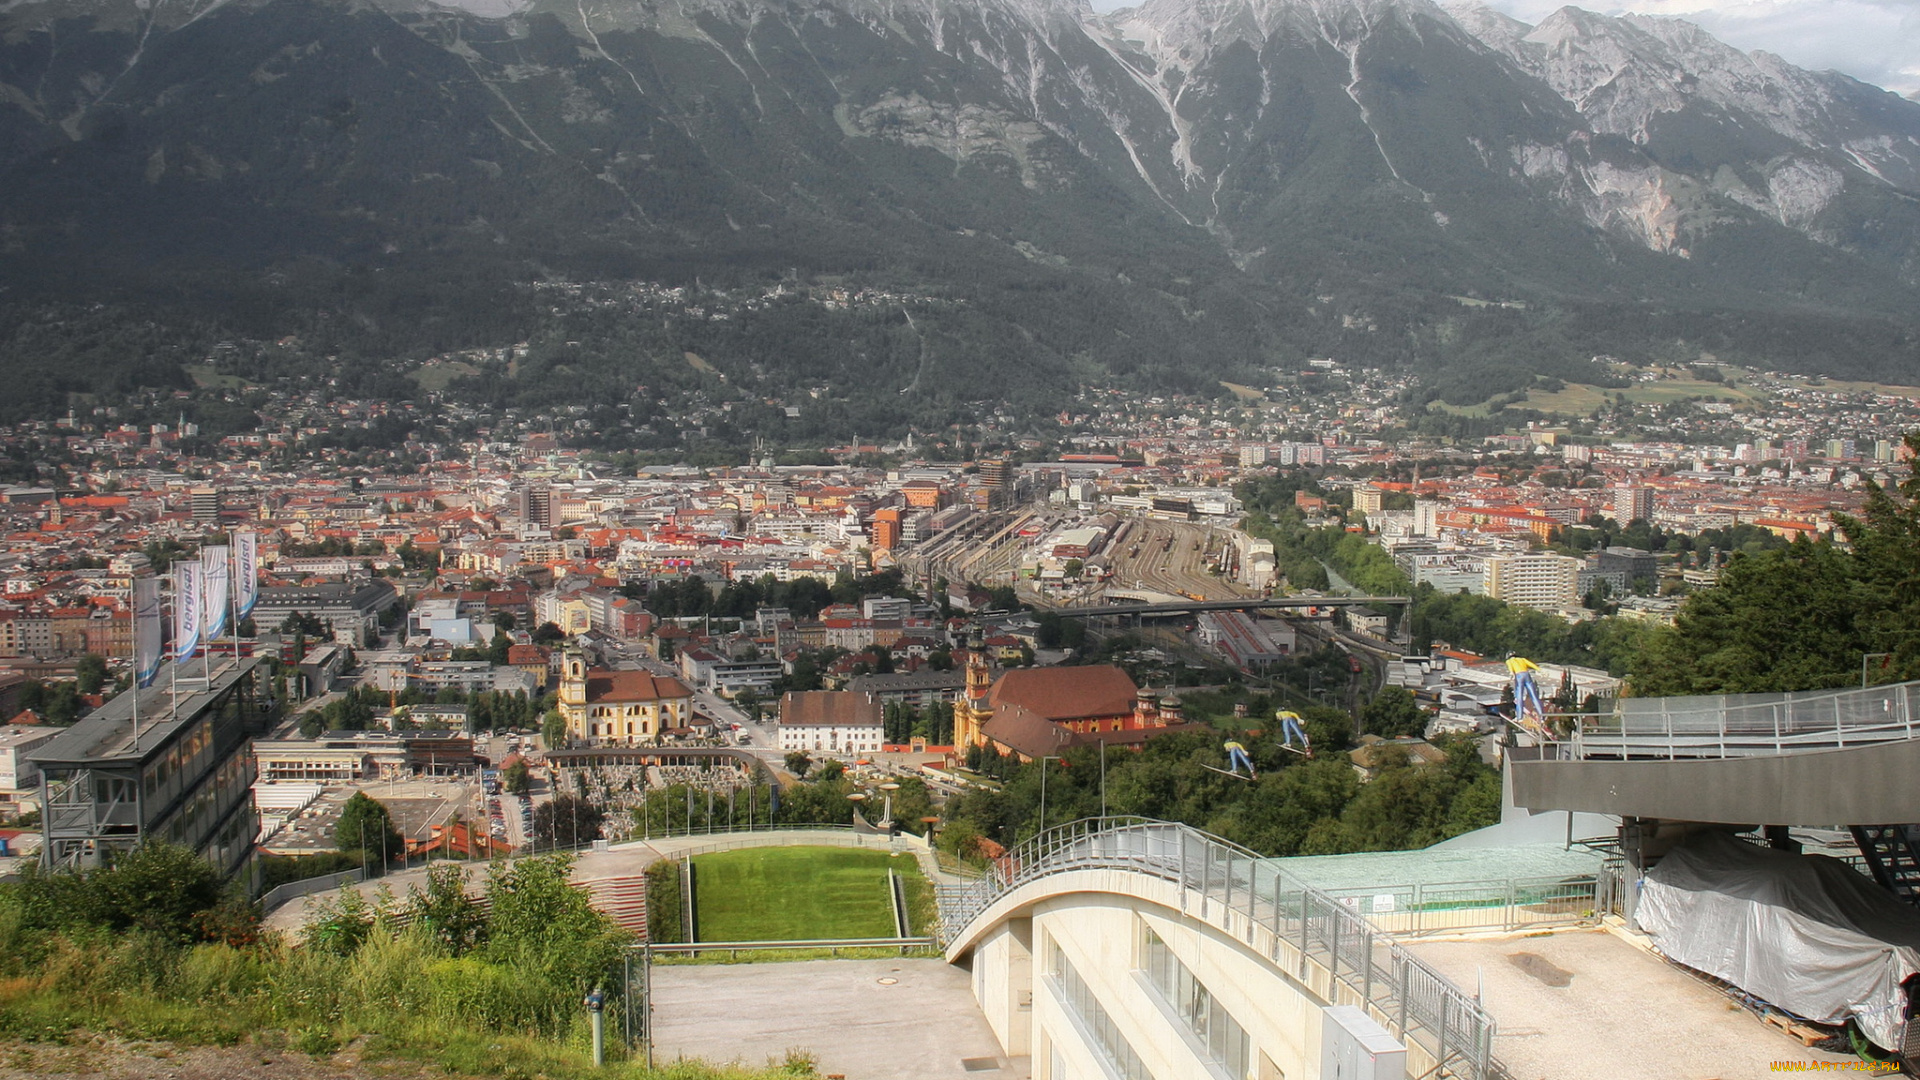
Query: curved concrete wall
x,y
1098,919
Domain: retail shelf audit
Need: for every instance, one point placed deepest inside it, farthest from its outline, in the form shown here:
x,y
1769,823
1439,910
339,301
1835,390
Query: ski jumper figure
x,y
1528,711
1290,730
1237,756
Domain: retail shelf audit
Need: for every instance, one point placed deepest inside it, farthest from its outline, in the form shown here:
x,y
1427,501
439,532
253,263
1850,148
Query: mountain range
x,y
1171,194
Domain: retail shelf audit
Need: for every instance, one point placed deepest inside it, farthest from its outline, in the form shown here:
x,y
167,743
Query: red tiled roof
x,y
830,707
607,686
1067,693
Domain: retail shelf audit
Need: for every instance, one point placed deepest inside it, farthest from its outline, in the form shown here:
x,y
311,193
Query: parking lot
x,y
416,805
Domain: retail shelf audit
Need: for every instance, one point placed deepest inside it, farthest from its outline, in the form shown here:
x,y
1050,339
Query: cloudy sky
x,y
1876,41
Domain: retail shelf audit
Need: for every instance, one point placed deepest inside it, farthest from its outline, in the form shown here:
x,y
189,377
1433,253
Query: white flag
x,y
149,630
186,610
214,580
246,569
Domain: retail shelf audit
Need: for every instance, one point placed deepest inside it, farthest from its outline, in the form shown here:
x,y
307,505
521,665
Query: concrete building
x,y
1450,572
727,677
19,777
204,502
184,776
347,756
1426,518
918,688
1626,568
1632,502
831,722
351,610
1152,950
886,607
1248,643
26,633
533,504
1534,579
471,676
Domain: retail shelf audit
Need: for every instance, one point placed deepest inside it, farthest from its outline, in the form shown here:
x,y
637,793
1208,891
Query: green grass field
x,y
797,893
1580,399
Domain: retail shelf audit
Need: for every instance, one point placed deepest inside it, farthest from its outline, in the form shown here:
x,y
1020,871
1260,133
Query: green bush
x,y
495,995
663,902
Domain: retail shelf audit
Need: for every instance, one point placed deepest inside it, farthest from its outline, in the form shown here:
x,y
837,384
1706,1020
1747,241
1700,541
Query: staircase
x,y
623,899
1892,853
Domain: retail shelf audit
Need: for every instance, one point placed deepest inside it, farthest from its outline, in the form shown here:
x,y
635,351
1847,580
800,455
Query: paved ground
x,y
922,1026
1590,1006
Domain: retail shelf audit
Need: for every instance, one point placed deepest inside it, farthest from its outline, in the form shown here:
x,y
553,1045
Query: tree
x,y
62,705
516,778
1802,617
157,888
553,729
547,633
798,762
497,648
1393,713
446,911
567,820
539,923
90,673
303,624
366,828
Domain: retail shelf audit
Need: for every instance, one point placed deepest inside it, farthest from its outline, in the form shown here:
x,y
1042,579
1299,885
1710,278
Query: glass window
x,y
1077,998
1226,1041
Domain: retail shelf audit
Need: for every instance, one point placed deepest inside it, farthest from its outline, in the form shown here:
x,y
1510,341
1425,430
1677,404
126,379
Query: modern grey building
x,y
350,609
184,775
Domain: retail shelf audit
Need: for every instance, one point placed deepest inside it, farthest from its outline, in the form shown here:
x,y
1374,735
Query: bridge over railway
x,y
1185,607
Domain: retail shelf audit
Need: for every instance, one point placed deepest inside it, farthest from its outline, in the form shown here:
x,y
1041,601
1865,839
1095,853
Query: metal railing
x,y
1747,725
809,836
1416,1002
1506,905
830,946
1616,889
730,830
293,890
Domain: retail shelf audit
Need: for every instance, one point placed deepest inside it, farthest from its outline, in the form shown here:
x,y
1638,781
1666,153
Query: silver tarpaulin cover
x,y
1805,933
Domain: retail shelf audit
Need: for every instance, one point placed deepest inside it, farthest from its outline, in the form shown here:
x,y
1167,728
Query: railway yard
x,y
1136,558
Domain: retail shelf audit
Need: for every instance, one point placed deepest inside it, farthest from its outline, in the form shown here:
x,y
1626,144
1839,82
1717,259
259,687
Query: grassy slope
x,y
790,894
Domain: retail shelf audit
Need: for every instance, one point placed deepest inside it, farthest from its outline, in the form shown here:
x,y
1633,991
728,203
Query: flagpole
x,y
173,668
233,602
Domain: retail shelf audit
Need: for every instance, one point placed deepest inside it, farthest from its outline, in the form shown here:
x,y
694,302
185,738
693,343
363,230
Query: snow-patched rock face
x,y
1135,88
1179,99
1798,189
1626,76
1621,73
